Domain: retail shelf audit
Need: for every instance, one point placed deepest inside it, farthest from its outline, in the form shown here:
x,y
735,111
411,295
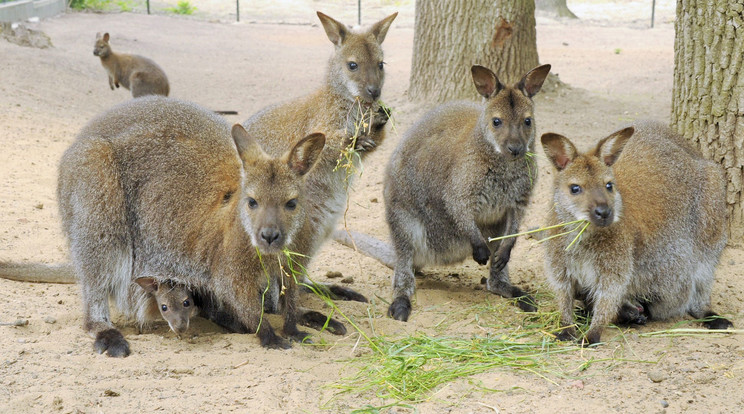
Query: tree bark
x,y
555,8
452,35
708,97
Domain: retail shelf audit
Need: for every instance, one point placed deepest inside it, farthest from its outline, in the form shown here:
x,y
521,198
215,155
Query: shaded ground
x,y
617,71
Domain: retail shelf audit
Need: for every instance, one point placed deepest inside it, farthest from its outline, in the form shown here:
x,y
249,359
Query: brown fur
x,y
156,186
171,301
657,228
138,74
334,109
459,176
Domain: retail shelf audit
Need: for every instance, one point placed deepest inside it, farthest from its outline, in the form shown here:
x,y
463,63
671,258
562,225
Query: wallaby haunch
x,y
656,212
347,100
138,74
459,176
156,186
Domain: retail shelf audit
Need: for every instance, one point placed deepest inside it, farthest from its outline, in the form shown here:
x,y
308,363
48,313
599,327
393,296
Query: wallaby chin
x,y
658,261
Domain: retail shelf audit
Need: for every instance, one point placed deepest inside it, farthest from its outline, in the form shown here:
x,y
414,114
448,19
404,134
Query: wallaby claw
x,y
365,144
400,309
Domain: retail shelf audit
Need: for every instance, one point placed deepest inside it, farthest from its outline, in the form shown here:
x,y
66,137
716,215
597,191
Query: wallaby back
x,y
136,73
345,109
460,175
656,229
180,200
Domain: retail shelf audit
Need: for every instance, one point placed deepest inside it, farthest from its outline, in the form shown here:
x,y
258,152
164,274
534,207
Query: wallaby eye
x,y
352,66
497,122
186,303
609,187
252,203
164,308
528,121
291,204
381,65
575,189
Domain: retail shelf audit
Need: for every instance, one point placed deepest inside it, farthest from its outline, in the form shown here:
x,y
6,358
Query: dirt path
x,y
616,74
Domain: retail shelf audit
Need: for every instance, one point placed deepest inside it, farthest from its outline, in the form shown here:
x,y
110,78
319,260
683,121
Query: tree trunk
x,y
708,100
452,35
555,8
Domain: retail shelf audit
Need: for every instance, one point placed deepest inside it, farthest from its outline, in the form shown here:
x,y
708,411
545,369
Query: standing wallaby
x,y
339,109
459,176
156,186
656,211
138,74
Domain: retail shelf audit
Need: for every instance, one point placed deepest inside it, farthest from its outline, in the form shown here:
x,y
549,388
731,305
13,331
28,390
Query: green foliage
x,y
182,7
125,5
97,5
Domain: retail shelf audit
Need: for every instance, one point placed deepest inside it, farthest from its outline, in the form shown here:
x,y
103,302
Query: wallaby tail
x,y
367,245
226,112
37,273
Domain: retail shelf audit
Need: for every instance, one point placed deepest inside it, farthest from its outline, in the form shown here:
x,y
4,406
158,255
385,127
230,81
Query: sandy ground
x,y
617,71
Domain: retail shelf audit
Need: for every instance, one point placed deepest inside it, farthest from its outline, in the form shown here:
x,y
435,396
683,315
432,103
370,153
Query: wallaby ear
x,y
533,80
335,30
609,149
379,29
248,147
305,153
486,82
559,149
148,283
106,37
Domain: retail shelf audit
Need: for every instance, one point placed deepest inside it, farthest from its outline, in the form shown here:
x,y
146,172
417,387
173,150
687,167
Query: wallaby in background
x,y
171,301
459,176
136,73
156,186
657,217
347,100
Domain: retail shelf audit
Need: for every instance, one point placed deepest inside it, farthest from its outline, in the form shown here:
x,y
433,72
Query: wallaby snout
x,y
515,148
602,215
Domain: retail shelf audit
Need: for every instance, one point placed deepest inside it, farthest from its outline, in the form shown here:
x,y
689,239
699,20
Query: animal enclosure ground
x,y
616,71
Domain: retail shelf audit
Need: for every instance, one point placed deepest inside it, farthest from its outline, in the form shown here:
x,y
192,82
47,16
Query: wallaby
x,y
161,186
656,212
136,73
339,109
459,176
173,302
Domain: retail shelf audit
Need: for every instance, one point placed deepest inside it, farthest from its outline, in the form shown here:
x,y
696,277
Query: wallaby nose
x,y
374,92
270,235
515,149
602,213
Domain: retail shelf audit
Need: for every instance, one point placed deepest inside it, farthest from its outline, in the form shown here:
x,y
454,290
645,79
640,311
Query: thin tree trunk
x,y
452,35
708,100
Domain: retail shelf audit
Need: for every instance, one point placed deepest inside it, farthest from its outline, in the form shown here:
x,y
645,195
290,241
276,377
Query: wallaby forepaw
x,y
113,343
381,118
365,144
317,320
271,340
342,293
717,322
566,334
527,303
400,309
481,254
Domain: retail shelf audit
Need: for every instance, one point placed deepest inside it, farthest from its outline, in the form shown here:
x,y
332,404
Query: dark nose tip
x,y
270,235
374,92
515,149
602,212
